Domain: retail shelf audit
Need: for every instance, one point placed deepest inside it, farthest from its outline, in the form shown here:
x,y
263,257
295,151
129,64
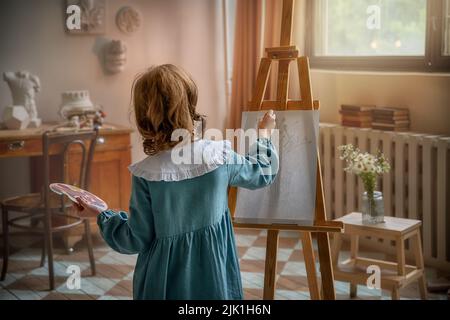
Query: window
x,y
408,35
446,30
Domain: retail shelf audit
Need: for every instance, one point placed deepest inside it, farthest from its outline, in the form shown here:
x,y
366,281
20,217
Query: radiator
x,y
417,186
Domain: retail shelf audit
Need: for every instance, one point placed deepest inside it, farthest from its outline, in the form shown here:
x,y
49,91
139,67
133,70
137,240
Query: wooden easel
x,y
285,54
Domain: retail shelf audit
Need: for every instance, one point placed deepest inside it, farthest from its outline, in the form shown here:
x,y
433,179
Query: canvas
x,y
291,197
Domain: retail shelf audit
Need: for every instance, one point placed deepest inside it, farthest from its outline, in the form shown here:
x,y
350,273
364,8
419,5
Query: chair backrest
x,y
56,143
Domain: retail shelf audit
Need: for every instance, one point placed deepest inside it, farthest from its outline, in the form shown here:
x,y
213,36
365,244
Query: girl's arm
x,y
257,169
260,166
128,234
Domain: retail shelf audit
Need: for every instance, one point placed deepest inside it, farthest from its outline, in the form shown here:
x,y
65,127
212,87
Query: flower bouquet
x,y
368,167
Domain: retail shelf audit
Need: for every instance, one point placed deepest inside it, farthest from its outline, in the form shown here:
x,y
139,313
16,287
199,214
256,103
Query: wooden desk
x,y
394,275
110,178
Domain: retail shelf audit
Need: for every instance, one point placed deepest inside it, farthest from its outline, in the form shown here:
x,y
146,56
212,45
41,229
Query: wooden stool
x,y
394,276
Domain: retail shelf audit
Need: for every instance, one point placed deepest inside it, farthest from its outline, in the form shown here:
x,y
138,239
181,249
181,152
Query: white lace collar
x,y
183,162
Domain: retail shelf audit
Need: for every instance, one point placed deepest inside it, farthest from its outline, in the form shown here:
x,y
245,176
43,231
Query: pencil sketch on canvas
x,y
291,197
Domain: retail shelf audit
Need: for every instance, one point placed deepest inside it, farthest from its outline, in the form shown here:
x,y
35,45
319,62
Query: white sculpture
x,y
116,56
128,20
16,117
23,86
75,103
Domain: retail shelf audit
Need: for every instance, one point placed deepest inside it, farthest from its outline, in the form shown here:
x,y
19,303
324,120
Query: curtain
x,y
257,26
247,51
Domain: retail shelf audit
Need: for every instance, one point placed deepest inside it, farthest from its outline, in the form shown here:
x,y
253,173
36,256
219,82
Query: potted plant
x,y
368,167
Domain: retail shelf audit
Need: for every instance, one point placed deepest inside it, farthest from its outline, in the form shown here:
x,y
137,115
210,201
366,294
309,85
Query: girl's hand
x,y
85,210
267,124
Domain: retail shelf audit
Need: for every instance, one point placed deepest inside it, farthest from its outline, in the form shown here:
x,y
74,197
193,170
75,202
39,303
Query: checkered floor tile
x,y
113,281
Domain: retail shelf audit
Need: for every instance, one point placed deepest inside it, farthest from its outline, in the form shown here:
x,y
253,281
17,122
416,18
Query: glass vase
x,y
373,211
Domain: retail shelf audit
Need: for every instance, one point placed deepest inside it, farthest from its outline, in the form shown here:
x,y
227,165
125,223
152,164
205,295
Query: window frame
x,y
432,61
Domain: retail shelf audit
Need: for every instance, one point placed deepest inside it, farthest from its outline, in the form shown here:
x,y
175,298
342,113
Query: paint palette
x,y
73,193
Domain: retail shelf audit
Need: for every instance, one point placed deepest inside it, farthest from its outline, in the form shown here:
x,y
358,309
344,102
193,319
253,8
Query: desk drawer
x,y
20,148
33,147
107,142
112,142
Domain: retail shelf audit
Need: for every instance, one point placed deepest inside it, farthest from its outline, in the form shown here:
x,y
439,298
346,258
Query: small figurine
x,y
99,118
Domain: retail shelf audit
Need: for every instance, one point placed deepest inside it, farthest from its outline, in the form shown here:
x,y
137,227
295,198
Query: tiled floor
x,y
25,280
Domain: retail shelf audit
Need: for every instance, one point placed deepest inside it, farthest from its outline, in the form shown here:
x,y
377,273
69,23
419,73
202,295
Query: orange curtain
x,y
257,26
247,51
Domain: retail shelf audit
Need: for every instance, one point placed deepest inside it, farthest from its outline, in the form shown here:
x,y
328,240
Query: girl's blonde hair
x,y
164,99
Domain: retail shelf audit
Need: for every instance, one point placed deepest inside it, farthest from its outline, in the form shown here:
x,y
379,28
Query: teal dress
x,y
180,223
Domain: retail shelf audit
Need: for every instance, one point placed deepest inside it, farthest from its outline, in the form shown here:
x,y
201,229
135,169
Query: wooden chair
x,y
47,207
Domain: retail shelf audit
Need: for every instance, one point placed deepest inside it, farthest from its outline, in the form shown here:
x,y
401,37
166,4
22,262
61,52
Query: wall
x,y
186,33
426,95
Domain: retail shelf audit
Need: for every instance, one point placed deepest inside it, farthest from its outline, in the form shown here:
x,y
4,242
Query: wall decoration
x,y
115,56
93,16
128,20
24,86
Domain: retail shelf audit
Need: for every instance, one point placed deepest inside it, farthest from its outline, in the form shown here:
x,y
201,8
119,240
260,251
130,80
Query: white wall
x,y
186,33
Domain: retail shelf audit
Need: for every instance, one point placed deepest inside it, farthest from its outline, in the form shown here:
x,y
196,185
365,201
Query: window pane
x,y
370,27
446,31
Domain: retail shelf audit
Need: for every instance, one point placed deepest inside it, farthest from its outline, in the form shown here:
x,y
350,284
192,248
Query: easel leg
x,y
326,268
308,254
270,271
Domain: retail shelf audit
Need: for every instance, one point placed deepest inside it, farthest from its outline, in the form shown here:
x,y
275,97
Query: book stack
x,y
391,119
356,116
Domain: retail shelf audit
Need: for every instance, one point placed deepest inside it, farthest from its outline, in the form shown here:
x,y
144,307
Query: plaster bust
x,y
115,56
24,86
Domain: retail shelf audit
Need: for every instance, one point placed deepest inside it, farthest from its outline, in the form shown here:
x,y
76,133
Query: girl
x,y
179,221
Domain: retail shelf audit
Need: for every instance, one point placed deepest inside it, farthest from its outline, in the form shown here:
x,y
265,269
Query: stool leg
x,y
87,229
354,248
417,243
400,243
5,242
